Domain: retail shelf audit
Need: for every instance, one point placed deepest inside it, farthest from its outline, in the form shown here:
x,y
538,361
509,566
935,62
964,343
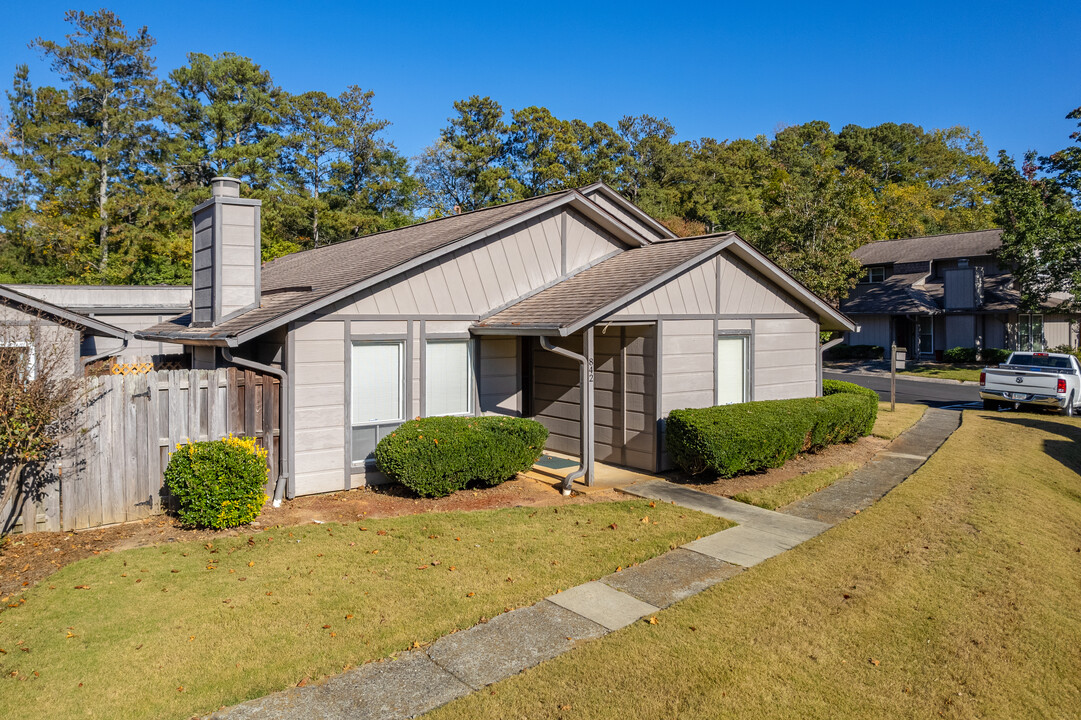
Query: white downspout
x,y
586,430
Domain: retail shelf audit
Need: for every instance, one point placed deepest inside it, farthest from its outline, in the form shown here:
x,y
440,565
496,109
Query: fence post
x,y
893,376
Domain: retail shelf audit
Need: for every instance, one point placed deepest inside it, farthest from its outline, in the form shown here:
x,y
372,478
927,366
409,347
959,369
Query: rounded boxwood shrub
x,y
436,456
961,355
747,437
218,484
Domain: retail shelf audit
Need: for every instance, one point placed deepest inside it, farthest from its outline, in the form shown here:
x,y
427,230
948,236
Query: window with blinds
x,y
731,369
378,394
448,378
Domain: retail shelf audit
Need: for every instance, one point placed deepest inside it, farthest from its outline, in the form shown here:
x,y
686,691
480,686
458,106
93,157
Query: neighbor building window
x,y
20,356
378,393
448,377
875,275
731,369
927,335
1030,332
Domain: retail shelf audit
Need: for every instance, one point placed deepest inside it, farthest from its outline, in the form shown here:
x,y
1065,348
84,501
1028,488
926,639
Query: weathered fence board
x,y
123,428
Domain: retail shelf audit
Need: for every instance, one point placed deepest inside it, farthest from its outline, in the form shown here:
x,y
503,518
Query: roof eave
x,y
88,323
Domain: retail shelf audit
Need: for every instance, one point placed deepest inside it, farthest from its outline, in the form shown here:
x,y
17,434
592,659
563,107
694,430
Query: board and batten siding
x,y
873,330
691,293
319,392
499,378
490,274
627,217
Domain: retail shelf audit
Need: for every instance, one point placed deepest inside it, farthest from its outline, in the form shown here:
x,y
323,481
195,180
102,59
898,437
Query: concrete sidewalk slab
x,y
391,690
603,605
887,470
671,577
743,545
509,643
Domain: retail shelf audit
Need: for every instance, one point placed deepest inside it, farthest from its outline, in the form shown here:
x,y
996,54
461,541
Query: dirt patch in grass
x,y
26,560
855,454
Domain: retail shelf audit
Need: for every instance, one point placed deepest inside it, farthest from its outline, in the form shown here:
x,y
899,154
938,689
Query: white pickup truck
x,y
1038,379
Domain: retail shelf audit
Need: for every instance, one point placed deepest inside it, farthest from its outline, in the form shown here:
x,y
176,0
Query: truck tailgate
x,y
1022,381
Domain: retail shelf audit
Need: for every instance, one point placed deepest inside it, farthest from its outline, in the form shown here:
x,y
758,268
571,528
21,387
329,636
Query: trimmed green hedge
x,y
436,456
961,355
996,356
747,437
856,352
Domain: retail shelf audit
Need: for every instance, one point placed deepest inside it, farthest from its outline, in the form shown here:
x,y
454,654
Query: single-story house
x,y
574,308
50,334
933,293
128,307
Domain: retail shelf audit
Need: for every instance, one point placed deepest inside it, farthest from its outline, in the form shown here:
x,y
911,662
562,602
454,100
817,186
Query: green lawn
x,y
954,596
891,424
968,373
781,494
179,629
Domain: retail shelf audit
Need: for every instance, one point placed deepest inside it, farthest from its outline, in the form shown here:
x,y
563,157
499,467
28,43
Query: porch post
x,y
587,406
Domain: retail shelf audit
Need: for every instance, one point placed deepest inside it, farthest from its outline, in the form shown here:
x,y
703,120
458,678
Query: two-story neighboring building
x,y
946,291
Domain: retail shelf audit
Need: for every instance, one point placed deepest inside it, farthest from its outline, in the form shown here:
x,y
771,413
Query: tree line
x,y
100,172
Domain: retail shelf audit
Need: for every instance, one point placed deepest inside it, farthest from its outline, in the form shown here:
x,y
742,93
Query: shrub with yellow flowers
x,y
218,484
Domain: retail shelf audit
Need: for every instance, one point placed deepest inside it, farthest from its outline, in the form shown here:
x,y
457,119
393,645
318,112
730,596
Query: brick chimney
x,y
225,254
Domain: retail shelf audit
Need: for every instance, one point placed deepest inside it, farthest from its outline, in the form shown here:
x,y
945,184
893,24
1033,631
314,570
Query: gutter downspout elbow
x,y
285,422
107,353
581,360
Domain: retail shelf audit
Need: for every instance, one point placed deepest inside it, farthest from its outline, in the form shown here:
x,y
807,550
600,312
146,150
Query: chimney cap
x,y
222,186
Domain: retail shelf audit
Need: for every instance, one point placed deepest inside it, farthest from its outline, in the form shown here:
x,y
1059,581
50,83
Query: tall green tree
x,y
111,98
227,113
1041,237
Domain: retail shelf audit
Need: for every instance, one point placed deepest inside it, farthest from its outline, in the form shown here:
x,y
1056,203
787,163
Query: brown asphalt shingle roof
x,y
293,281
932,247
578,297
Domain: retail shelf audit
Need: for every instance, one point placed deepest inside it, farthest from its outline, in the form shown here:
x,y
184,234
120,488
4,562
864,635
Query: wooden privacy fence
x,y
122,429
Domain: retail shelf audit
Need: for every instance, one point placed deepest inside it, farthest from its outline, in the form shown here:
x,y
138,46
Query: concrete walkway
x,y
464,662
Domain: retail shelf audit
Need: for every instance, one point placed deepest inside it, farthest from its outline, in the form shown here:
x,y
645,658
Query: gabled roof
x,y
602,289
629,207
932,247
301,283
94,326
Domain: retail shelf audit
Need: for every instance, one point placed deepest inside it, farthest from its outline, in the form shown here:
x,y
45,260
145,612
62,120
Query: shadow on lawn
x,y
1067,451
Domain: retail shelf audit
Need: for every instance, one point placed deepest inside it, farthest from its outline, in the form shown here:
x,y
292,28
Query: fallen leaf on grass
x,y
348,617
251,563
422,567
874,662
70,634
645,519
78,587
471,594
653,620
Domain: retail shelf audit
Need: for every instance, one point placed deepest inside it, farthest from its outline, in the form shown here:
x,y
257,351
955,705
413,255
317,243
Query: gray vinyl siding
x,y
626,217
687,348
203,266
1057,330
239,250
489,274
319,412
499,375
785,358
55,346
994,331
874,330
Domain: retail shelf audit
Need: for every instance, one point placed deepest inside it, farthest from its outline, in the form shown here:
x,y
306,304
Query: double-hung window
x,y
1030,332
731,369
875,275
378,393
448,377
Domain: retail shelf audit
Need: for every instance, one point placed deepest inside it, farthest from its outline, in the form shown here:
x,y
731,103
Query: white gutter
x,y
108,353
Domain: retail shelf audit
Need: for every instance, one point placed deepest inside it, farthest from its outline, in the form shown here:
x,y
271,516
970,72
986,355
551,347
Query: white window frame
x,y
470,374
31,356
745,338
1032,344
872,271
381,426
930,320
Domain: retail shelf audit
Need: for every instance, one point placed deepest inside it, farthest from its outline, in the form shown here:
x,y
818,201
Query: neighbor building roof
x,y
931,247
95,326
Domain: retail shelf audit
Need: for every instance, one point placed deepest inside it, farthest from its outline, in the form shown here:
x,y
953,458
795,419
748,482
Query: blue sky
x,y
1011,70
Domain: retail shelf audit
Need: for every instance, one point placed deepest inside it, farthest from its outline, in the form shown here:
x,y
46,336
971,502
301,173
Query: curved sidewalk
x,y
466,661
